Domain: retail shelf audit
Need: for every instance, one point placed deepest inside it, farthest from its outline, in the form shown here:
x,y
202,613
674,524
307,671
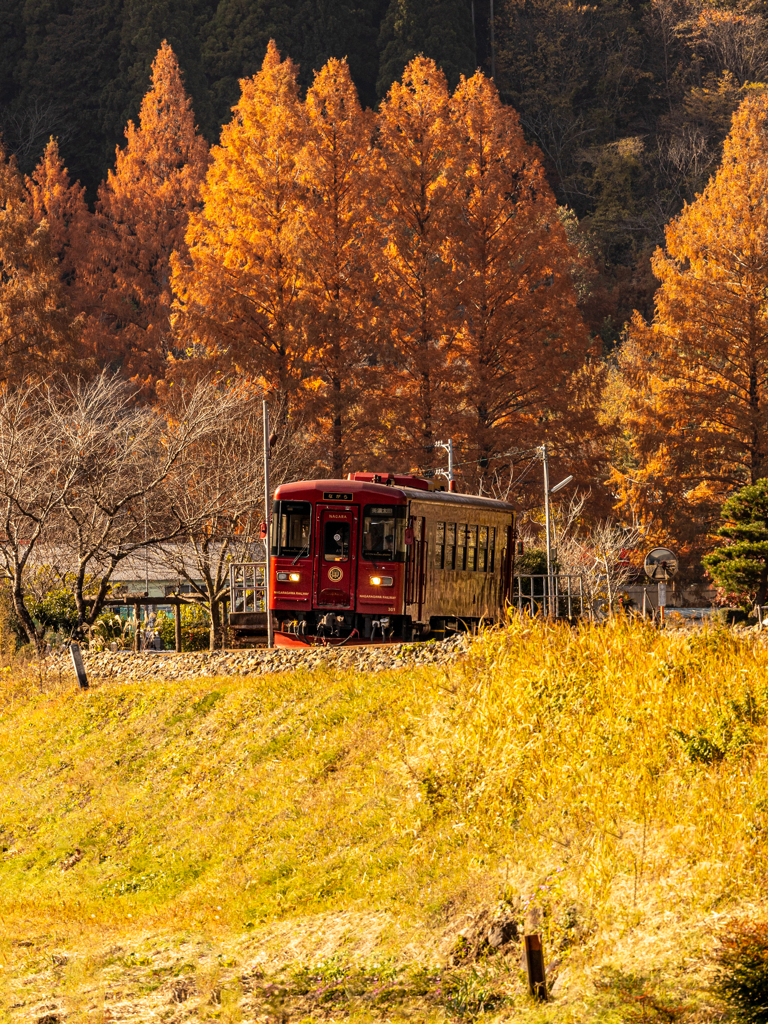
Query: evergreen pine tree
x,y
740,567
439,29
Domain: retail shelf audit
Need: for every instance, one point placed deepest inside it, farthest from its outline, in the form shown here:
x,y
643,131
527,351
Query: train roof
x,y
383,492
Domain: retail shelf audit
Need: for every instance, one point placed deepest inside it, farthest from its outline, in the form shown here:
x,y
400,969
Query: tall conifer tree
x,y
36,329
699,370
142,215
240,290
522,336
61,204
335,166
419,302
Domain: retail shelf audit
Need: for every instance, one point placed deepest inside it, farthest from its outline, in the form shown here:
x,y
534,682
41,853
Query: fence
x,y
248,587
561,595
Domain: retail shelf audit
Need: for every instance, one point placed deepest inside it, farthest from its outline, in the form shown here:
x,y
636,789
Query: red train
x,y
381,557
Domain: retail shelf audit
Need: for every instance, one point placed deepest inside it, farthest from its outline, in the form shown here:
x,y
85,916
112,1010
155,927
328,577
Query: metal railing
x,y
565,599
248,587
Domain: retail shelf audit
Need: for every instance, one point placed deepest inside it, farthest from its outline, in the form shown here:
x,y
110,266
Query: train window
x,y
291,528
336,542
383,533
491,548
439,544
450,545
461,545
482,549
472,548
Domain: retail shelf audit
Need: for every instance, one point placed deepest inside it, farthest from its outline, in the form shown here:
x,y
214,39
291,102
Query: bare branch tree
x,y
124,496
220,498
35,476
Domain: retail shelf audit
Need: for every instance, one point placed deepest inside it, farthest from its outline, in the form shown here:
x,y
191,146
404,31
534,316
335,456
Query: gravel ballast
x,y
130,666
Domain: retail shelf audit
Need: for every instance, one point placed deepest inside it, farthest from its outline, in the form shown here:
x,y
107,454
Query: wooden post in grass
x,y
177,625
77,663
137,623
534,965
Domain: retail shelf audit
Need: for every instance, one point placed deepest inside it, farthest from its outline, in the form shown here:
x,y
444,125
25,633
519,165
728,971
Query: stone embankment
x,y
127,666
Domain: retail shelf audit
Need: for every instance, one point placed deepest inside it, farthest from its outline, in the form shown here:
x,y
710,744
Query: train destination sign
x,y
336,496
660,565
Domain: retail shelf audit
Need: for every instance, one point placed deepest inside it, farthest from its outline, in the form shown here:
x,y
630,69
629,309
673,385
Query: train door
x,y
336,562
415,568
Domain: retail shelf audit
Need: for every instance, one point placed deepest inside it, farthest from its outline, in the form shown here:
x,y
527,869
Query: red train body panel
x,y
379,557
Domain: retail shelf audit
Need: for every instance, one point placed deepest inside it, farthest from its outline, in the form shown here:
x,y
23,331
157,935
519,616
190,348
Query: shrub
x,y
742,978
195,628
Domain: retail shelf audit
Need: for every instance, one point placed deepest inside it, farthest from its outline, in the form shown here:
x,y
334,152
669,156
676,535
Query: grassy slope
x,y
327,834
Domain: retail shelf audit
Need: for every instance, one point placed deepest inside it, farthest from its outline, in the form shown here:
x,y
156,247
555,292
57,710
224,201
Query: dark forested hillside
x,y
628,101
78,69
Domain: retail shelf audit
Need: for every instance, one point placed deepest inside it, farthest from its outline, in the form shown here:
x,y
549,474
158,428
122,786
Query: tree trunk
x,y
215,635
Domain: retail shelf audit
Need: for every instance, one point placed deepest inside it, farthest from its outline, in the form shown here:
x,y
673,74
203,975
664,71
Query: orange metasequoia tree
x,y
334,243
239,292
522,340
413,207
698,412
141,218
61,203
37,332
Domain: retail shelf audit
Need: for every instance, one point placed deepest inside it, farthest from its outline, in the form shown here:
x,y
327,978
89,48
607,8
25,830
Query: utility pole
x,y
448,445
267,594
545,460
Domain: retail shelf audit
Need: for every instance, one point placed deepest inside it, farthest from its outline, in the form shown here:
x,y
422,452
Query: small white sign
x,y
662,595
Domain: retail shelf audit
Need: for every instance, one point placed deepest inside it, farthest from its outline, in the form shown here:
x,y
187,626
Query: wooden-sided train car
x,y
378,557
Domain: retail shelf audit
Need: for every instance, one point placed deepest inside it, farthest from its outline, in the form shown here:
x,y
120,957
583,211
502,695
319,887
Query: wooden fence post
x,y
534,964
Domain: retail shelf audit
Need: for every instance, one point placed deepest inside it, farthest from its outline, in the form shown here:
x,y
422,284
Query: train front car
x,y
381,557
338,561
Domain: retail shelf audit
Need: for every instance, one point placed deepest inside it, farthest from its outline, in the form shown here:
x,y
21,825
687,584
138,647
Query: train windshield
x,y
383,533
291,529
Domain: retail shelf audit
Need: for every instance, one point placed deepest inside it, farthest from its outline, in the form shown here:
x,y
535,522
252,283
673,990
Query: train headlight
x,y
294,577
282,577
381,581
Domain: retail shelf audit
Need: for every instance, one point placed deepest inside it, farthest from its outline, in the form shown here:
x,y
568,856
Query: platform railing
x,y
565,599
248,587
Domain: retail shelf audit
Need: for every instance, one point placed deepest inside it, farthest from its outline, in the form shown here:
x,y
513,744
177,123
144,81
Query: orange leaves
x,y
412,261
36,331
701,368
240,289
141,218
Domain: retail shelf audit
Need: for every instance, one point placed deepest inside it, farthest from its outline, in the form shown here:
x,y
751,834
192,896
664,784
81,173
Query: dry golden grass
x,y
308,846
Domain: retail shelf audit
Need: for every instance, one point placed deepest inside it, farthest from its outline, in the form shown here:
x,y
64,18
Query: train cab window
x,y
461,545
482,549
439,545
472,548
291,528
450,546
491,548
336,542
383,537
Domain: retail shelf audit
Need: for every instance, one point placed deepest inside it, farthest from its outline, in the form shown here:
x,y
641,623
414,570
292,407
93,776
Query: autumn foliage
x,y
698,374
38,331
395,277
